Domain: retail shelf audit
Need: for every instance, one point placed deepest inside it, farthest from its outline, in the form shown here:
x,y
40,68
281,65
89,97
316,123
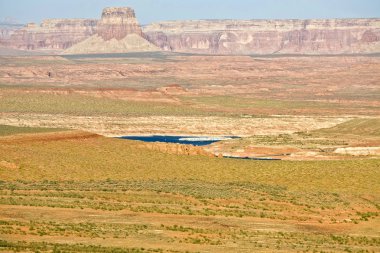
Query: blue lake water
x,y
193,140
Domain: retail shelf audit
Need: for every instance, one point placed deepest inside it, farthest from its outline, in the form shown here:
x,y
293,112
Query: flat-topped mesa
x,y
117,23
314,36
118,31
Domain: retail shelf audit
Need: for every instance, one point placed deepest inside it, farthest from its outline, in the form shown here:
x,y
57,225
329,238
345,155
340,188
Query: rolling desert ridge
x,y
211,135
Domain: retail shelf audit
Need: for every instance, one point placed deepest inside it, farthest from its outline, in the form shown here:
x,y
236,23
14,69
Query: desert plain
x,y
67,185
299,170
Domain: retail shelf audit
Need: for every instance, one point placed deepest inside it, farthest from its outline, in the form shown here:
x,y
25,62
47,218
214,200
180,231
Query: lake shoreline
x,y
194,140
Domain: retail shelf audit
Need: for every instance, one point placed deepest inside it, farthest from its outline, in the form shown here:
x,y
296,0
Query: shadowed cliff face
x,y
117,23
330,36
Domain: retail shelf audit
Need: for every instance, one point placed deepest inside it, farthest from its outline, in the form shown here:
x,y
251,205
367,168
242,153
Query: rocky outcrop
x,y
175,149
117,23
56,34
329,36
118,32
358,151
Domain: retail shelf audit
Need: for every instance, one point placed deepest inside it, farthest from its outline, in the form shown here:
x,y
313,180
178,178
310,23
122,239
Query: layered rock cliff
x,y
7,29
55,34
118,32
117,23
328,36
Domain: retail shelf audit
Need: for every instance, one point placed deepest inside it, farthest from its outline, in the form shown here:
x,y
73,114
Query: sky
x,y
148,11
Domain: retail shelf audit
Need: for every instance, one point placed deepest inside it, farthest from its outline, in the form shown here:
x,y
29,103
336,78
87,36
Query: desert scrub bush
x,y
365,216
181,228
181,197
75,104
11,130
82,161
55,247
84,229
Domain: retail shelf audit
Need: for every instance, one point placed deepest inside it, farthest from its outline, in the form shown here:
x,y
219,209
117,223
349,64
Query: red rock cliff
x,y
118,23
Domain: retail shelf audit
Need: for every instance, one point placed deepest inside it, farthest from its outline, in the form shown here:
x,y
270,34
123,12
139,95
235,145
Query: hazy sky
x,y
155,10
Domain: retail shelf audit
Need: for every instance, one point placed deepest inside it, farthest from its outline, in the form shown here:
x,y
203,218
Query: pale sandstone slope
x,y
96,44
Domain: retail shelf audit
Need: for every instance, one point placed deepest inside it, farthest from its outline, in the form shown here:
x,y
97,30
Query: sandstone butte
x,y
118,31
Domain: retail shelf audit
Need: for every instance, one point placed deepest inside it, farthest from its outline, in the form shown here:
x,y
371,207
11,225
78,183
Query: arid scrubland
x,y
66,187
